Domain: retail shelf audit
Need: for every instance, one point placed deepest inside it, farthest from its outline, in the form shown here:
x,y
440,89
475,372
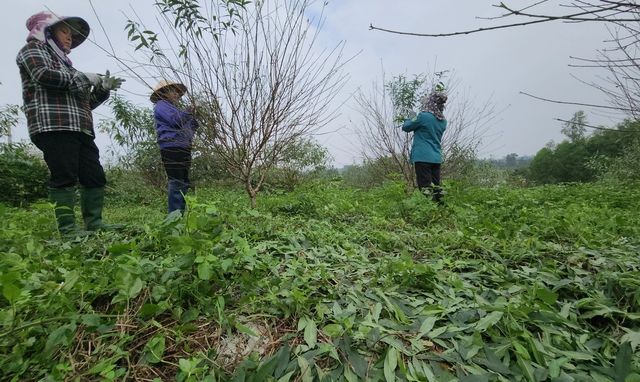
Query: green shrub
x,y
23,175
623,168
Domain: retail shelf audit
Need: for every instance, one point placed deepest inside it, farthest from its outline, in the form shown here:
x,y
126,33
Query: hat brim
x,y
79,29
156,95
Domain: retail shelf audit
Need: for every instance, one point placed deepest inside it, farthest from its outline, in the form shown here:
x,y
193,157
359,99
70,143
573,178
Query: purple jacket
x,y
175,127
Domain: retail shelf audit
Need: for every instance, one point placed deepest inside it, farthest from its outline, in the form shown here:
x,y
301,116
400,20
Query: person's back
x,y
426,151
427,137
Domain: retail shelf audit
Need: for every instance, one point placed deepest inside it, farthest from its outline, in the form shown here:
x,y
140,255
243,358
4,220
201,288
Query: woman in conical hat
x,y
176,129
58,101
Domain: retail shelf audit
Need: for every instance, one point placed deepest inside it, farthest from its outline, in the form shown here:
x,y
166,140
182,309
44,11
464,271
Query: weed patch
x,y
330,284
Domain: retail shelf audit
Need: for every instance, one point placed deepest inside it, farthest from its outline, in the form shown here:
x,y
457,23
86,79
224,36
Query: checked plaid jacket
x,y
56,96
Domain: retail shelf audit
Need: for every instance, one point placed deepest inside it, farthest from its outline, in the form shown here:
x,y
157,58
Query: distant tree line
x,y
511,161
607,153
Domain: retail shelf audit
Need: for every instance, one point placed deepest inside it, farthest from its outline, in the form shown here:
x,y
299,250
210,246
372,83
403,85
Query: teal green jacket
x,y
427,137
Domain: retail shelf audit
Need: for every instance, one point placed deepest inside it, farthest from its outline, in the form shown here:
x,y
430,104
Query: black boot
x,y
64,199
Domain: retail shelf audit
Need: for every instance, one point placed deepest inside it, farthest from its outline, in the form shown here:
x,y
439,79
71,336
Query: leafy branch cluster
x,y
9,118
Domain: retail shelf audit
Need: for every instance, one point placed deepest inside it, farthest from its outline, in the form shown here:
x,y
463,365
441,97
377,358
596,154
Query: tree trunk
x,y
251,192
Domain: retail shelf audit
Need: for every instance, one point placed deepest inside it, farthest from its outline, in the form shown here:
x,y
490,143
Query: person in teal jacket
x,y
426,151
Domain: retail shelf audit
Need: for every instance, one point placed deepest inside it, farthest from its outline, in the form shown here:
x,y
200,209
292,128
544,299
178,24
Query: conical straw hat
x,y
163,85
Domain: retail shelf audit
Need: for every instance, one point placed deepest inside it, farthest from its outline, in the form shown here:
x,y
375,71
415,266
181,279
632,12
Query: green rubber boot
x,y
64,199
92,203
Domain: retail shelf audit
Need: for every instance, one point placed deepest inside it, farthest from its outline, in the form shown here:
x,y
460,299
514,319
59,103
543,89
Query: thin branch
x,y
574,17
574,103
600,127
509,14
372,27
113,51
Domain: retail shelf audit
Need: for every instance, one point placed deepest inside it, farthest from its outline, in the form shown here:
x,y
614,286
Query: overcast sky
x,y
495,65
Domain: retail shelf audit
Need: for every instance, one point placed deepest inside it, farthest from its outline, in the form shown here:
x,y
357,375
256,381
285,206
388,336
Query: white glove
x,y
111,83
93,78
412,113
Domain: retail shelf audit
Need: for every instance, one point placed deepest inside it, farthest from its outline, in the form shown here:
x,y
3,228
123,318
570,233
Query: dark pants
x,y
176,162
71,157
428,175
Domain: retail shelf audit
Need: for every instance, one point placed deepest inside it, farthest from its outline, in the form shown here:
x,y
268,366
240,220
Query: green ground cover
x,y
328,284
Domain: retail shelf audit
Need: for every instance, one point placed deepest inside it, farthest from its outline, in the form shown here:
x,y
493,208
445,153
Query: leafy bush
x,y
133,131
359,176
623,168
23,175
302,161
372,174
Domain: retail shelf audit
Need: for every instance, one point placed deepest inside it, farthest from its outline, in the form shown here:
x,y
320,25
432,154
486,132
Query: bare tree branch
x,y
602,128
570,103
621,84
607,12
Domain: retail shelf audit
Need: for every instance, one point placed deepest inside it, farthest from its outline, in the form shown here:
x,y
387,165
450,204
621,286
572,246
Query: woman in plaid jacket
x,y
58,101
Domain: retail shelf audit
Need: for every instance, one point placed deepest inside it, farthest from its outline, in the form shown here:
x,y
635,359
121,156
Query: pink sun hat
x,y
38,23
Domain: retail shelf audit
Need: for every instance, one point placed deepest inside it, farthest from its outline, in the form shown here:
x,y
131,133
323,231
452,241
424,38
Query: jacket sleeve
x,y
410,124
38,62
97,97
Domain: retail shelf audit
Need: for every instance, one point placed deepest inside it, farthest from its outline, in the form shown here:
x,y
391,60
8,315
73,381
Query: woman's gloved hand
x,y
111,83
94,78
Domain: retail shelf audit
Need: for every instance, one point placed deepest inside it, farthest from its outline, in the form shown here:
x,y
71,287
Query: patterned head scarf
x,y
39,26
434,104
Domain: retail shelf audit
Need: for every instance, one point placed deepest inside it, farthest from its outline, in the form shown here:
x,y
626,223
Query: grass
x,y
330,284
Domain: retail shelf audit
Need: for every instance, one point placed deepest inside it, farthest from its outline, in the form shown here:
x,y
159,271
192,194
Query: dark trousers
x,y
71,157
177,162
428,175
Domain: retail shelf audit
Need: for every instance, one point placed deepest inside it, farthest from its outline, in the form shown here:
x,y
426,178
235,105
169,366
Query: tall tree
x,y
261,82
382,143
575,128
511,160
